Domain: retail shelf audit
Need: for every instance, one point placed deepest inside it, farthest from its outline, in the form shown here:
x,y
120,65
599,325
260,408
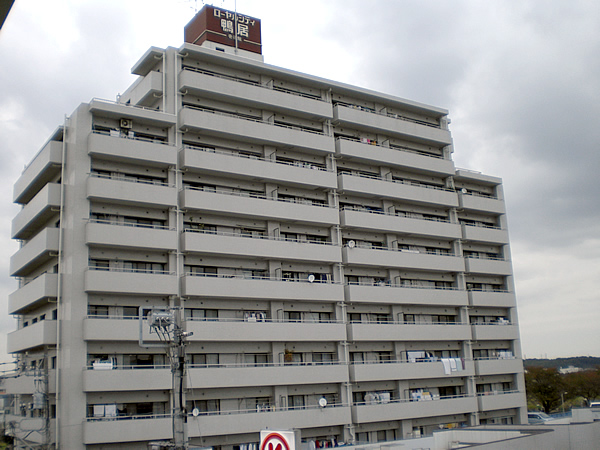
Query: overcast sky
x,y
521,80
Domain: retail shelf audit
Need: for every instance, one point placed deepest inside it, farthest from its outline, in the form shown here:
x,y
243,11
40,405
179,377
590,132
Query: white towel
x,y
453,364
446,363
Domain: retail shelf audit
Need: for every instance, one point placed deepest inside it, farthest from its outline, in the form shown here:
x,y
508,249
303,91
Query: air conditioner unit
x,y
126,123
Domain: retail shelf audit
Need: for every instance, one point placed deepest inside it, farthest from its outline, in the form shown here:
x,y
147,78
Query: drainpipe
x,y
59,281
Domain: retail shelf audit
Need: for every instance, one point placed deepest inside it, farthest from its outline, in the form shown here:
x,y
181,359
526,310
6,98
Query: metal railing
x,y
253,236
219,190
255,119
386,114
300,164
253,83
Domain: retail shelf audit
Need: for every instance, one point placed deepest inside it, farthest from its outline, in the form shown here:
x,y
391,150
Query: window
x,y
201,314
130,312
258,359
205,359
324,358
98,310
100,264
293,316
296,401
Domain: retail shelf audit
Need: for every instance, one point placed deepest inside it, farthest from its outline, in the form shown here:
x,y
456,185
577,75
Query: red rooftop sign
x,y
224,27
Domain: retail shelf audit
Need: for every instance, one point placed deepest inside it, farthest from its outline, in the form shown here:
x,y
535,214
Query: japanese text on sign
x,y
228,20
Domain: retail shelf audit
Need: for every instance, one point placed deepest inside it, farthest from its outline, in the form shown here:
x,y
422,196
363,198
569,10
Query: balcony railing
x,y
157,140
130,224
253,83
407,182
390,283
254,119
483,394
257,195
130,179
260,277
250,320
267,407
131,270
300,164
406,216
253,236
403,400
394,147
386,114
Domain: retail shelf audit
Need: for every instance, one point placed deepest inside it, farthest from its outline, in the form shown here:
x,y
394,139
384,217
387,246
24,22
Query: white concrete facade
x,y
315,237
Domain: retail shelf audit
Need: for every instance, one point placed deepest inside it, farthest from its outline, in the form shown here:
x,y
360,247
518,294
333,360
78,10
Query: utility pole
x,y
167,325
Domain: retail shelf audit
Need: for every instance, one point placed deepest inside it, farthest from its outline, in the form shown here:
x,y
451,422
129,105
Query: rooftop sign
x,y
224,27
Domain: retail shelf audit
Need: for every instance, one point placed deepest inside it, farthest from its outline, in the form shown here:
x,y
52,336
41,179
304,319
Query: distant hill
x,y
585,362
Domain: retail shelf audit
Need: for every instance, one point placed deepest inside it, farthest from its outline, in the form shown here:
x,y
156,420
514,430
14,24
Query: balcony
x,y
498,366
150,283
248,376
36,213
159,427
115,329
488,266
238,245
264,289
45,166
484,234
33,294
25,382
386,371
268,331
408,332
129,235
502,299
127,379
501,400
400,410
405,295
114,110
262,208
403,259
394,157
229,126
401,127
129,192
146,91
40,334
132,151
222,423
397,224
40,249
481,203
495,332
244,92
128,429
264,170
413,192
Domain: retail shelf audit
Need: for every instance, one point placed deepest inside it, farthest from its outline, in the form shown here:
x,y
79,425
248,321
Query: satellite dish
x,y
464,191
351,244
322,402
195,412
311,278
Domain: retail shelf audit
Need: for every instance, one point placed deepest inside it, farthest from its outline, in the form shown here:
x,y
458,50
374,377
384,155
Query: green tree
x,y
584,384
544,386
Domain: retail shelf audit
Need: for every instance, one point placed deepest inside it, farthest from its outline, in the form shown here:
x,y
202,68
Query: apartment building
x,y
339,274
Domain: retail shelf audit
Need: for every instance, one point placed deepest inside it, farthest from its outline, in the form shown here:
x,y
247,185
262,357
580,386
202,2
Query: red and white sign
x,y
277,440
